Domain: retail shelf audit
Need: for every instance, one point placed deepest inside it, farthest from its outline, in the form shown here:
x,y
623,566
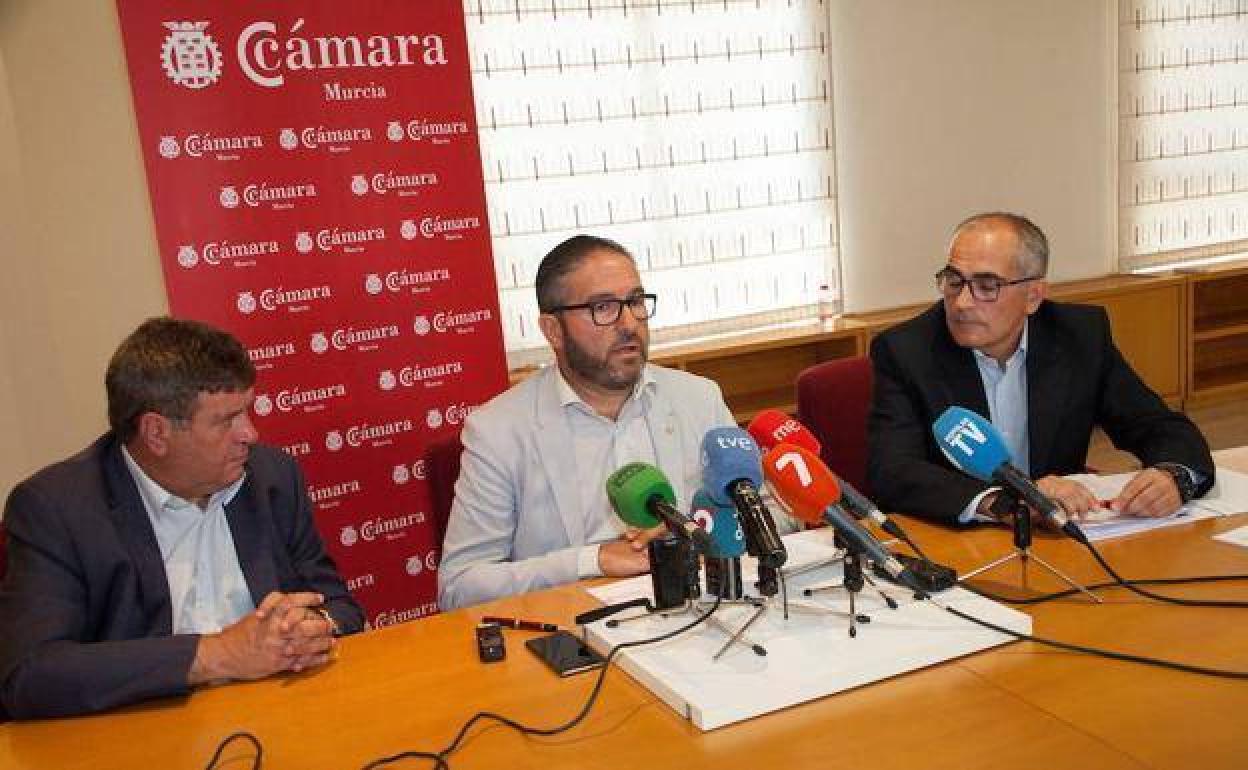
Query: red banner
x,y
316,186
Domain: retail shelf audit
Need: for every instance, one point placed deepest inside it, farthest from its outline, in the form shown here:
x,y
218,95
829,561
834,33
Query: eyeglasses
x,y
985,287
605,312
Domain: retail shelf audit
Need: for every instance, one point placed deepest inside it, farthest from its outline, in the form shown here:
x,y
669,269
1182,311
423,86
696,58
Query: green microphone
x,y
642,497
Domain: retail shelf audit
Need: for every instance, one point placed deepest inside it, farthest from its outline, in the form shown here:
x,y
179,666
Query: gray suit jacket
x,y
516,524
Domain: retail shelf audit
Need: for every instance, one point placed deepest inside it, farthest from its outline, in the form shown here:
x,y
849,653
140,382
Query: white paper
x,y
1235,537
1228,495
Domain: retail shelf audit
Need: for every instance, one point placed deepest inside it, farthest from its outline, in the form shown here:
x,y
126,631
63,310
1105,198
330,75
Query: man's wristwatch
x,y
1182,479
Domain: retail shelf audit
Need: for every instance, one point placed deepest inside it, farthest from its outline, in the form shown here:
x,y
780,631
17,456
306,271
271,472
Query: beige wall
x,y
76,238
944,109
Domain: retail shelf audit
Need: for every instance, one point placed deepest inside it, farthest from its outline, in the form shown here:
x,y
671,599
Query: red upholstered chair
x,y
443,459
833,399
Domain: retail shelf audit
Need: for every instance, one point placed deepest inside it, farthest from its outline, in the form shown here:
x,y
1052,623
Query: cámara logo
x,y
189,55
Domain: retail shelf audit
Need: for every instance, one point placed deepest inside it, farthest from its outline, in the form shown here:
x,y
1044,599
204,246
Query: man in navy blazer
x,y
173,551
1045,373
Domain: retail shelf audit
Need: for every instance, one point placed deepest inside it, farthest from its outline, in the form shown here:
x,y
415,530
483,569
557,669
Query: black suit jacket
x,y
85,616
1076,379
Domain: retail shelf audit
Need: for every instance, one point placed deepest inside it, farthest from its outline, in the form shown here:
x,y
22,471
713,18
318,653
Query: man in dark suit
x,y
1044,373
173,551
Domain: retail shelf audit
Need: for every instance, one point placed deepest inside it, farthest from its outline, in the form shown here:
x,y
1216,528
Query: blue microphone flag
x,y
720,522
970,442
729,455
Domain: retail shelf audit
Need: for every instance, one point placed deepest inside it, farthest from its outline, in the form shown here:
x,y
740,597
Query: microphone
x,y
810,490
772,426
642,497
720,522
731,474
723,562
977,449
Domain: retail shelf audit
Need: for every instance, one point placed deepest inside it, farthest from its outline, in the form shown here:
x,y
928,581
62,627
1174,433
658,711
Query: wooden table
x,y
1022,705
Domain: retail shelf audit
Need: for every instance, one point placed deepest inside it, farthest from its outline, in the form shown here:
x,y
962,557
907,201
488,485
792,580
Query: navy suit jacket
x,y
1076,379
84,607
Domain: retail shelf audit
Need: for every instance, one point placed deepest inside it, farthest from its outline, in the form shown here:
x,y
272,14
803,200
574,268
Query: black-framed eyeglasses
x,y
605,312
985,287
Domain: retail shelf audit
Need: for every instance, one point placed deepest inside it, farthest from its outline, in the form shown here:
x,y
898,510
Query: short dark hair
x,y
1033,255
562,260
165,364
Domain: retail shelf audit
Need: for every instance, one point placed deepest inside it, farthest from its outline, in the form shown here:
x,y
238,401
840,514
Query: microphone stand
x,y
854,580
730,594
770,582
1021,516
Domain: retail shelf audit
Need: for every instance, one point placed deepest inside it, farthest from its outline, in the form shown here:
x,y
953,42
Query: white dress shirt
x,y
602,446
207,589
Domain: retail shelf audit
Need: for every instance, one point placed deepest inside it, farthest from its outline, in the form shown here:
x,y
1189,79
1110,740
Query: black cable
x,y
905,538
1123,656
438,762
1130,586
440,759
1042,598
216,756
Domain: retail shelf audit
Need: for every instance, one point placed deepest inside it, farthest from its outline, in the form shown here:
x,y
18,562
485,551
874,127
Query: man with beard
x,y
172,552
530,507
1044,373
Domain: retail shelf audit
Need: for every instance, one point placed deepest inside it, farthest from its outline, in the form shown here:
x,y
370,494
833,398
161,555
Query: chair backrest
x,y
443,468
4,552
833,400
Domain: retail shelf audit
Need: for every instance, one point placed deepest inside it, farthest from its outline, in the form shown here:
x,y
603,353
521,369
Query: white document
x,y
1229,495
1235,537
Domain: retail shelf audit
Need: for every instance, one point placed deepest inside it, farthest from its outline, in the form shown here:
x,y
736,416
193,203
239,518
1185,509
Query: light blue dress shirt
x,y
207,588
1005,387
602,445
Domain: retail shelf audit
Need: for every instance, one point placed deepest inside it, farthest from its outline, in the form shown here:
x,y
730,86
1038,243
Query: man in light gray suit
x,y
530,507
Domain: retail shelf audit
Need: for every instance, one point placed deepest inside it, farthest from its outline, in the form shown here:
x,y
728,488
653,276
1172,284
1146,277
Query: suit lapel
x,y
669,452
554,446
956,368
134,528
1046,388
251,538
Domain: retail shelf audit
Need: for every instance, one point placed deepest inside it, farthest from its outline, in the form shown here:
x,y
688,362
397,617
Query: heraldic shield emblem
x,y
190,56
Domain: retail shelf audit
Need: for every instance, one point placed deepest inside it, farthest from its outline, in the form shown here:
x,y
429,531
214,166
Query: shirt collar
x,y
1020,354
569,397
157,499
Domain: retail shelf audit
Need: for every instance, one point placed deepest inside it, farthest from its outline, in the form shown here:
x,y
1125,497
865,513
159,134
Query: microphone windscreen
x,y
720,522
970,442
802,481
728,455
630,489
772,426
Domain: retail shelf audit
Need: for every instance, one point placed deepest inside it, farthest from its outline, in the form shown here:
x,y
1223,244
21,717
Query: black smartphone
x,y
564,653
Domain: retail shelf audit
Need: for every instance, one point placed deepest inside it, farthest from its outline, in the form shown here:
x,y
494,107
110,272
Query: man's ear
x,y
1036,292
153,433
552,330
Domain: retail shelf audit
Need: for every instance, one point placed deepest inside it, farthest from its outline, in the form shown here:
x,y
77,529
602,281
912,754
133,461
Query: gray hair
x,y
1033,255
